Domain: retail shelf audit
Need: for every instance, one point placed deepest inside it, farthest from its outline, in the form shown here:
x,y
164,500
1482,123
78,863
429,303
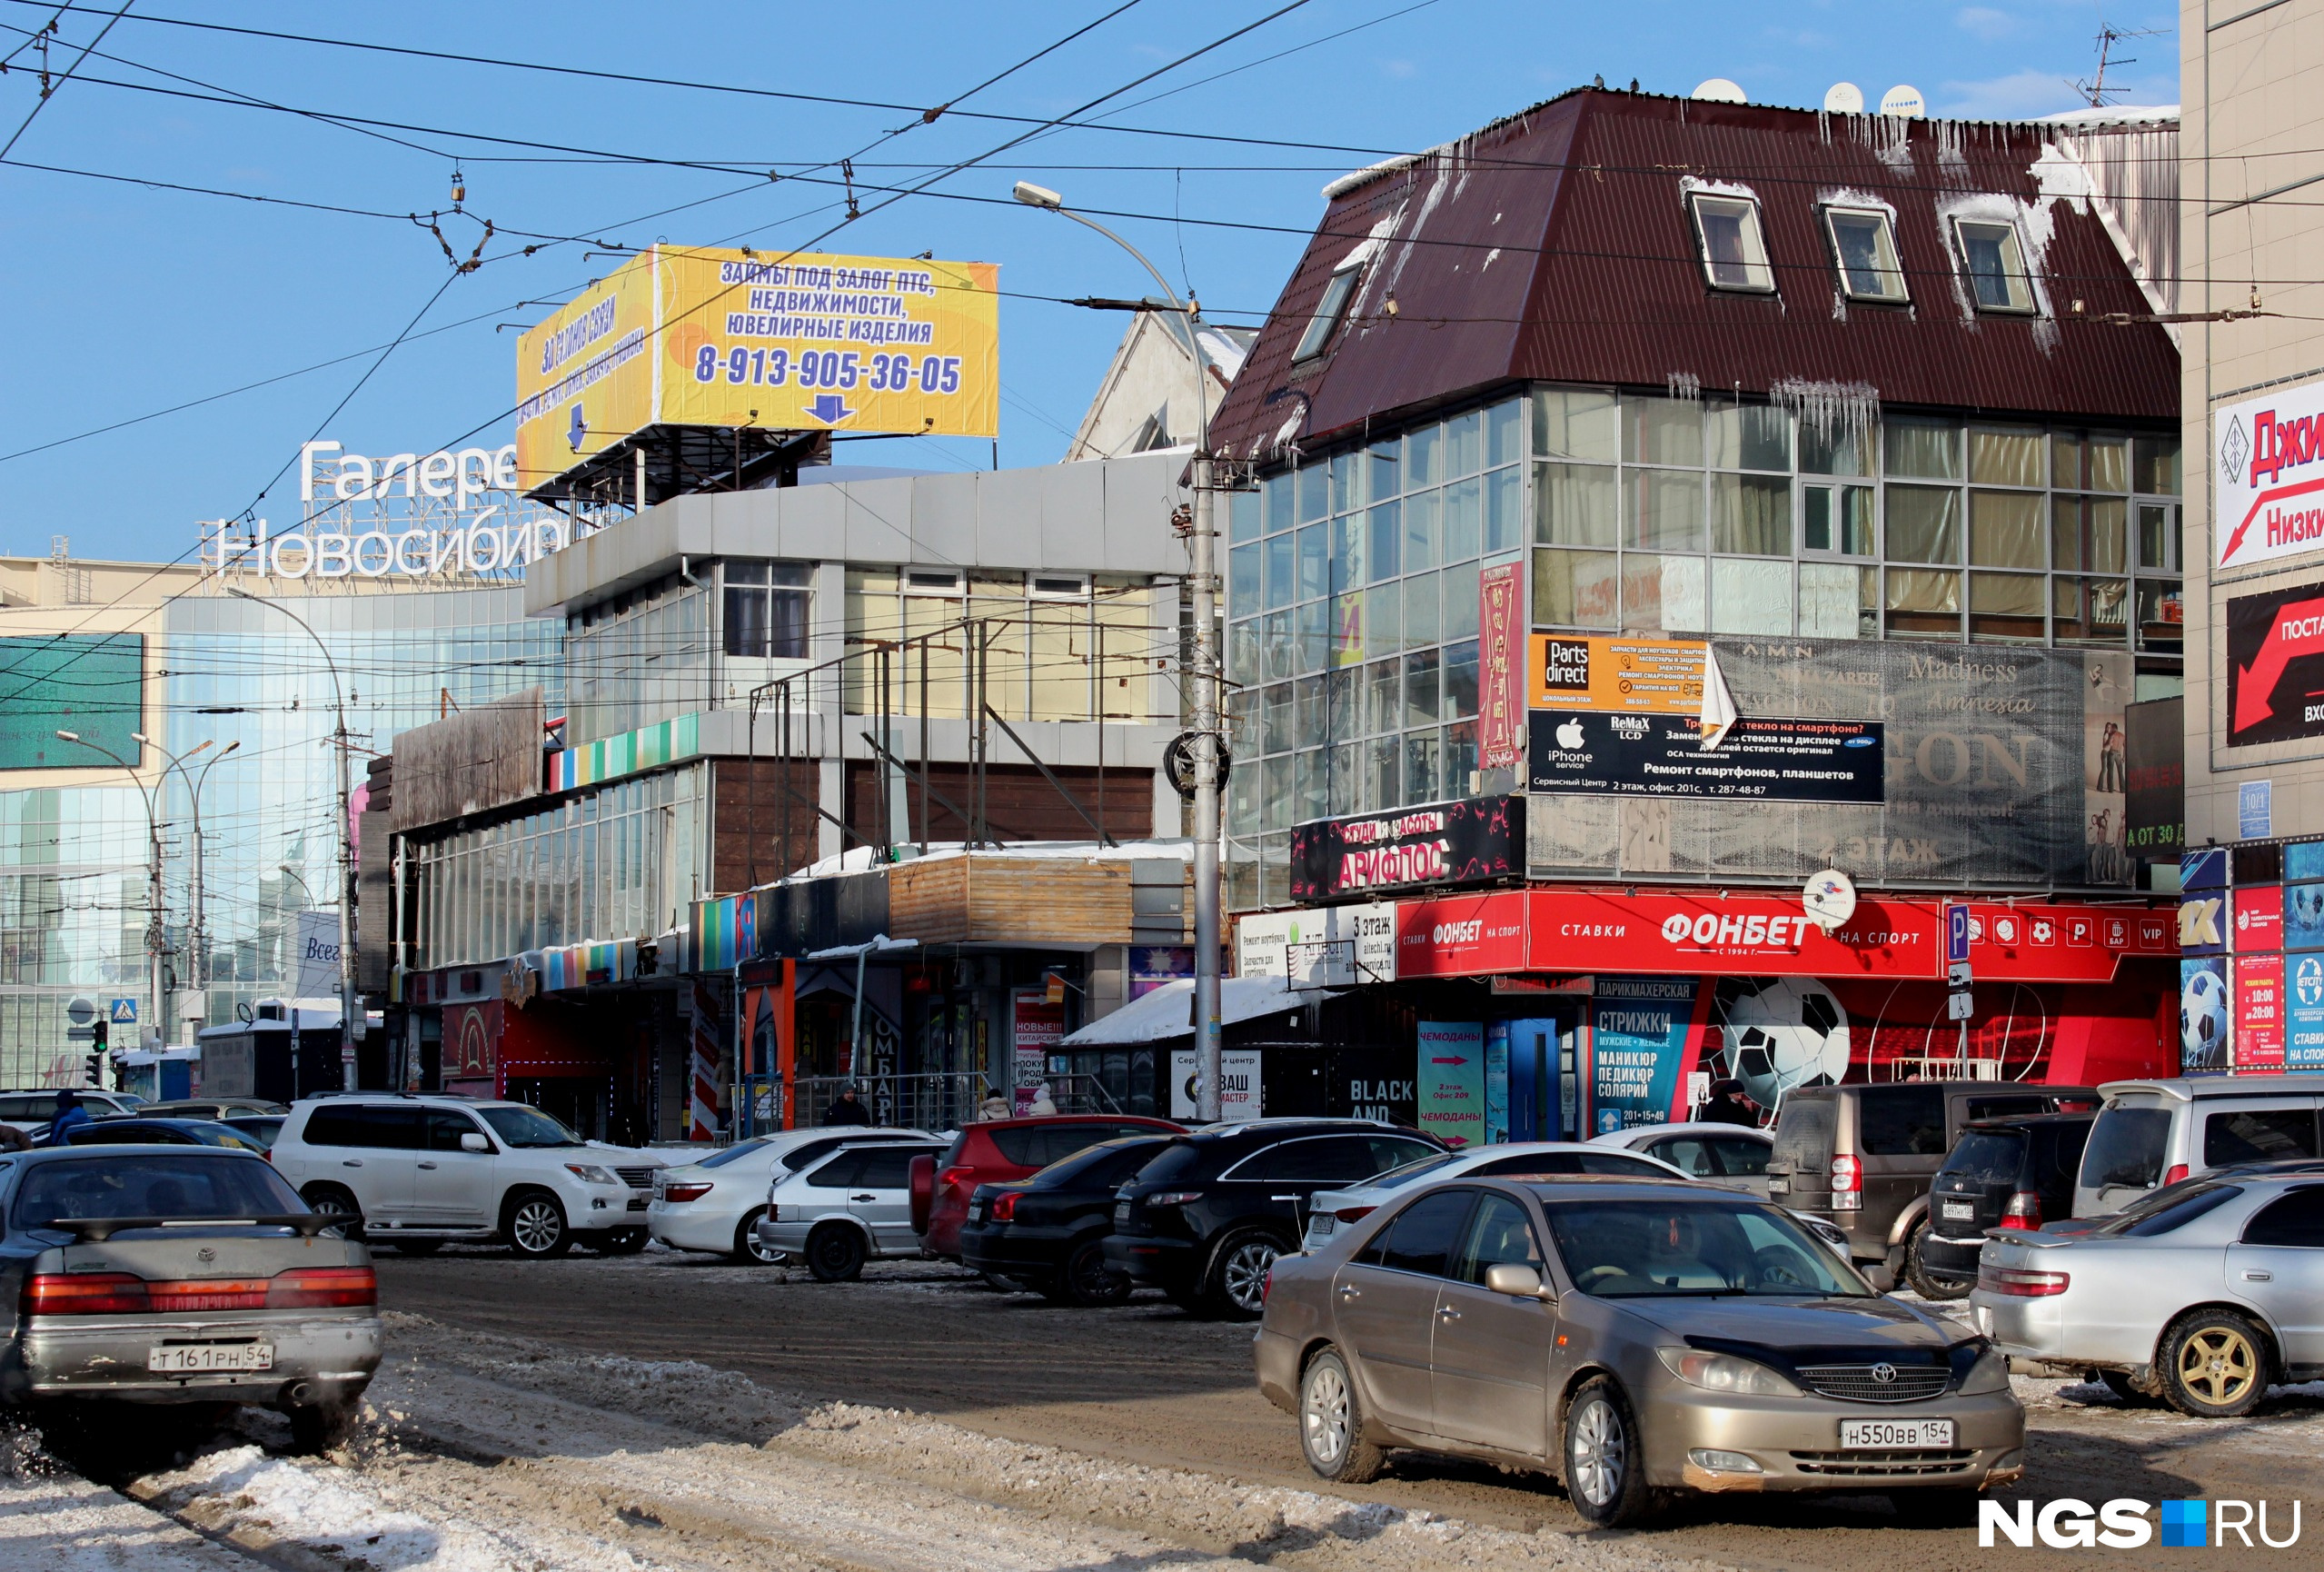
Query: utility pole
x,y
350,1004
157,933
1203,590
197,978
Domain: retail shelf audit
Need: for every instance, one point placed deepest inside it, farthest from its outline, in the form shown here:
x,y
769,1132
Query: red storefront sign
x,y
1761,935
2063,943
2258,919
1462,935
1501,667
2259,1012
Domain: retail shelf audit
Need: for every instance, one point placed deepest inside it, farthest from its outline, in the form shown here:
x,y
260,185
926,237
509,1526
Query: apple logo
x,y
1569,735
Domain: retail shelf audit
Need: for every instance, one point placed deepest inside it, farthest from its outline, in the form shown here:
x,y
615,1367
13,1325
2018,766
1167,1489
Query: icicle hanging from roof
x,y
1830,409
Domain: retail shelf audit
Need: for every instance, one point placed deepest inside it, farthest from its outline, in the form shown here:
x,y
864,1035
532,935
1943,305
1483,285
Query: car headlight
x,y
590,1173
1991,1373
1725,1373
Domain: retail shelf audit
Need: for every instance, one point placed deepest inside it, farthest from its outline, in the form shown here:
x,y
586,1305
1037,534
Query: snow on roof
x,y
860,859
1168,1010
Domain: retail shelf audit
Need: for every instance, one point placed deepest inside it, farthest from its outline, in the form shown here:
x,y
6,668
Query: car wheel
x,y
1086,1280
748,1250
1604,1471
1331,1423
619,1241
535,1225
1917,1274
1237,1285
1953,1507
2213,1365
418,1246
331,1198
835,1253
319,1427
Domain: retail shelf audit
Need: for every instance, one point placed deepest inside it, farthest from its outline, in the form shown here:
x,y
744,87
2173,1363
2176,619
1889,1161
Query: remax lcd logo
x,y
2122,1524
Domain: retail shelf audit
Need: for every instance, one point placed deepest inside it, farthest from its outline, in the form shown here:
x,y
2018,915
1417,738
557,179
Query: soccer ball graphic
x,y
2202,1021
1784,1033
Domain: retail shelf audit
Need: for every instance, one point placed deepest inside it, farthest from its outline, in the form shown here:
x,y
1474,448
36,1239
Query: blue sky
x,y
126,299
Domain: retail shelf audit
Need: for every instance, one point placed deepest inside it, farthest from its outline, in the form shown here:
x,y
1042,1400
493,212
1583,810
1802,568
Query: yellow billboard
x,y
685,336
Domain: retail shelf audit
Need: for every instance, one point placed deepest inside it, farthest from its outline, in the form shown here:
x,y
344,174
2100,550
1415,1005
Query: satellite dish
x,y
1843,98
1904,102
1719,90
1829,900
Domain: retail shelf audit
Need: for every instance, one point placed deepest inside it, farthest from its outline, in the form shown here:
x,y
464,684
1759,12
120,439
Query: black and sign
x,y
1760,758
1475,840
2155,749
2275,666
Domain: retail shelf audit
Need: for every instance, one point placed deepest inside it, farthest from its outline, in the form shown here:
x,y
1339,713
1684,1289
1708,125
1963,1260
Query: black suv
x,y
1048,1231
1205,1220
2002,1173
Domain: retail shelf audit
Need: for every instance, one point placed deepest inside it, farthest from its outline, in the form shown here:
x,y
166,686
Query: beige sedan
x,y
1631,1337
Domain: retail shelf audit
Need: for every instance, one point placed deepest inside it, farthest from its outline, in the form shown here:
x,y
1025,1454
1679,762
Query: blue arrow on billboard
x,y
829,408
578,430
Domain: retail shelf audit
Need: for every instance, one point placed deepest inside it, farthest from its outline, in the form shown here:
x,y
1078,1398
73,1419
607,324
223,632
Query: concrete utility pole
x,y
1202,589
350,1004
197,972
157,933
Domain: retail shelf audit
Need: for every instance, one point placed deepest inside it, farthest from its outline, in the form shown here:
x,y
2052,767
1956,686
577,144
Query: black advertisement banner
x,y
2156,753
2275,666
1475,840
1760,758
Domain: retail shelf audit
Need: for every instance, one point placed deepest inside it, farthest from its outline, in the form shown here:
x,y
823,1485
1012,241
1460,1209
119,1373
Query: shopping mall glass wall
x,y
72,860
1352,578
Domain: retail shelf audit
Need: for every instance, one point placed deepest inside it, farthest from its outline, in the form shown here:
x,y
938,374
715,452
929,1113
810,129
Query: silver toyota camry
x,y
1634,1338
2203,1300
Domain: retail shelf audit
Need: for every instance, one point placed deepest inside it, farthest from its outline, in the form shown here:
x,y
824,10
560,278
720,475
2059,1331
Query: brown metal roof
x,y
1556,246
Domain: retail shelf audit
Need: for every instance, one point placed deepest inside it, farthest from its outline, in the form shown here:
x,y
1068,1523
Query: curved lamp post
x,y
197,978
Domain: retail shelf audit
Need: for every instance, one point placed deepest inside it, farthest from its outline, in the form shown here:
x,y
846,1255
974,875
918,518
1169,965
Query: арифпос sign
x,y
1473,840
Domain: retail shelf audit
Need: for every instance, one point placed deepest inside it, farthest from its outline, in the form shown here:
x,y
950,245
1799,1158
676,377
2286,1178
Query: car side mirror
x,y
471,1142
1516,1280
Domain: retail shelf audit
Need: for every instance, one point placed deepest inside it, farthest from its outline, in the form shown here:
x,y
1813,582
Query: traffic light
x,y
100,1032
97,1035
95,1068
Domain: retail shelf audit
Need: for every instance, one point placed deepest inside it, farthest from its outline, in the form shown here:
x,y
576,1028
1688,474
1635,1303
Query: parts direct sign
x,y
711,337
2267,460
2275,665
1643,676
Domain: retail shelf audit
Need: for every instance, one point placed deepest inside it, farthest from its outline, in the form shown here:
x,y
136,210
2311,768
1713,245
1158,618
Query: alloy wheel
x,y
538,1224
1600,1453
2218,1365
1243,1274
1323,1413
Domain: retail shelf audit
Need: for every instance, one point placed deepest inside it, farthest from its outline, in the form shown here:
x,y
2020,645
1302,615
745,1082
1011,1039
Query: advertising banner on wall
x,y
2304,1012
1768,935
1500,669
1035,1027
2267,473
1461,935
1473,840
1322,947
1760,758
1239,1084
1639,676
2205,1020
2155,749
1451,1081
707,336
1645,1033
89,683
2259,1012
2275,664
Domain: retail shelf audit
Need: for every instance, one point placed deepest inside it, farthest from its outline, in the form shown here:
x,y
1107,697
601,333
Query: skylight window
x,y
1995,260
1864,244
1735,256
1333,306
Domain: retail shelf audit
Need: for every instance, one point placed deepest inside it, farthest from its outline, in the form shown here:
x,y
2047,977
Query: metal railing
x,y
941,1100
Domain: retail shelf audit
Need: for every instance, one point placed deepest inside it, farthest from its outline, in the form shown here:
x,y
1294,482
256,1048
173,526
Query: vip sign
x,y
2268,462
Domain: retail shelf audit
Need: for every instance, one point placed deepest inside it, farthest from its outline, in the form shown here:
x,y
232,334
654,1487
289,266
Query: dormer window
x,y
1339,291
1863,245
1735,254
1994,259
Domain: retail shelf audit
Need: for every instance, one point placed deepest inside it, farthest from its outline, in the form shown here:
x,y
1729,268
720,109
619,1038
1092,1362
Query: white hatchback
x,y
714,1205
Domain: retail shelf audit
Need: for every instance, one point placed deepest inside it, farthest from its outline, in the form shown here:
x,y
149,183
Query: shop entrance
x,y
1545,1086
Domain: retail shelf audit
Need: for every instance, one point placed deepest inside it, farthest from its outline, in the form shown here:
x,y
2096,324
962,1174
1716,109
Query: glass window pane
x,y
1280,586
2006,606
1576,589
1834,446
2163,616
1924,524
1463,520
1384,696
1311,784
1867,255
1424,457
1243,515
1996,266
2005,458
1276,703
2088,611
1662,594
1275,643
1383,619
1242,652
1459,760
1243,792
1422,693
1923,603
1576,423
1346,553
1460,604
1464,445
1922,448
1312,631
1504,496
1751,513
1315,493
1420,611
746,620
1385,531
2158,536
1279,492
2086,534
1839,601
1573,505
1348,482
1460,680
1750,597
1734,256
1504,431
1662,510
1387,468
1384,772
1663,431
1347,630
1749,437
2004,530
1345,761
1420,515
1421,753
1245,580
2154,465
1274,793
1314,554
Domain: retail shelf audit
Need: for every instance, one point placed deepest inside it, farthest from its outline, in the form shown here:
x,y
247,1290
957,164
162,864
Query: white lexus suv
x,y
418,1171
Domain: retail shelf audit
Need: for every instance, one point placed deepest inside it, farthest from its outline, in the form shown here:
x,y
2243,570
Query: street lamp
x,y
351,1012
1204,587
156,938
198,978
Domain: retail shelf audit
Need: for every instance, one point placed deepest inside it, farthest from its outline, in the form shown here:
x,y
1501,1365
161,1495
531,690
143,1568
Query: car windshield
x,y
152,1185
527,1127
739,1149
2176,1212
1396,1178
1632,1250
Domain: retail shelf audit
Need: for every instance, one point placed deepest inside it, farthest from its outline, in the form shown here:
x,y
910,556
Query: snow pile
x,y
245,1495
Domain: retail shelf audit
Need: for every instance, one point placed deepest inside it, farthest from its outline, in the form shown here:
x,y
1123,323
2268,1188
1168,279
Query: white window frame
x,y
1887,263
1759,274
1040,586
2015,274
1331,306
